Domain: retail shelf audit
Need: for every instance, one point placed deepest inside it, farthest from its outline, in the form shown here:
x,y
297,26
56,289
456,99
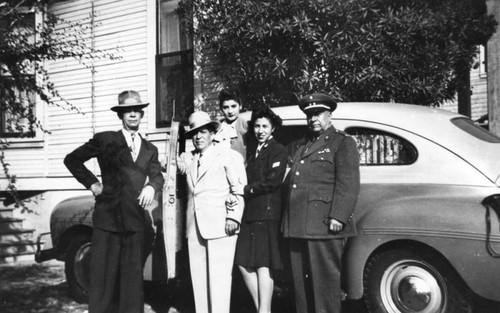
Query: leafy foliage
x,y
26,44
356,50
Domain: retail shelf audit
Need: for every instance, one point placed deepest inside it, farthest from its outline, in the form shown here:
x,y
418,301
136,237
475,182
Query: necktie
x,y
310,143
258,151
198,167
133,148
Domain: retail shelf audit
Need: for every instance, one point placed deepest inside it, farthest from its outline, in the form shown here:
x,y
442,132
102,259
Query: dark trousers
x,y
116,281
316,266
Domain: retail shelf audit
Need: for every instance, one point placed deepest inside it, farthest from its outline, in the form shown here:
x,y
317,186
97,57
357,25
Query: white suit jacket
x,y
209,188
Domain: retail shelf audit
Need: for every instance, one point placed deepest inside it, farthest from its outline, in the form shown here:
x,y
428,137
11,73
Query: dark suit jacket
x,y
323,183
265,176
117,208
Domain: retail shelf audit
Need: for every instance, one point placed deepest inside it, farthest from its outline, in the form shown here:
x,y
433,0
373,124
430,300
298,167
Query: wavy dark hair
x,y
267,113
229,94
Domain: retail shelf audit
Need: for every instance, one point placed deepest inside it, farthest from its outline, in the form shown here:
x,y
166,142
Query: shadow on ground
x,y
37,288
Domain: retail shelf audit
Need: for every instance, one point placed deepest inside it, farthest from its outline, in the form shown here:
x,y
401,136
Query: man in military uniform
x,y
323,186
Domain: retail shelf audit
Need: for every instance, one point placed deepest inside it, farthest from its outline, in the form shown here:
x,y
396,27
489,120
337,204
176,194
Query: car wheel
x,y
77,267
403,281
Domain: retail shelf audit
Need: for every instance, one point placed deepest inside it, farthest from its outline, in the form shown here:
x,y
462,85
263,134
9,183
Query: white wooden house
x,y
155,58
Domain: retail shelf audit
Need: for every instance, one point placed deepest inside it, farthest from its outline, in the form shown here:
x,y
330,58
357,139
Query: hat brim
x,y
317,109
214,124
121,107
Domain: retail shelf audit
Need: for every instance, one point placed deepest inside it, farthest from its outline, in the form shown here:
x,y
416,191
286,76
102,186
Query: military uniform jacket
x,y
323,183
117,208
265,176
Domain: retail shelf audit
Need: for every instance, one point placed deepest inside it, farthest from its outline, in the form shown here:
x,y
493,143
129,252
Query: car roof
x,y
431,123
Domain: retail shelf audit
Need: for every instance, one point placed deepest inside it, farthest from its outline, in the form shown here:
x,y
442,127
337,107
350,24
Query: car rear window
x,y
469,127
375,147
378,147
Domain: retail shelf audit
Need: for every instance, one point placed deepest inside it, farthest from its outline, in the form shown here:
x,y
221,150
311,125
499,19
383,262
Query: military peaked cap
x,y
317,102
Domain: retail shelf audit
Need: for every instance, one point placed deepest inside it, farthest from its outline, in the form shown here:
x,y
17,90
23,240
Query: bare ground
x,y
37,288
31,287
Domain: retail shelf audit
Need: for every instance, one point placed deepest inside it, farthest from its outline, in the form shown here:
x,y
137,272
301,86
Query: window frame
x,y
409,145
186,51
35,137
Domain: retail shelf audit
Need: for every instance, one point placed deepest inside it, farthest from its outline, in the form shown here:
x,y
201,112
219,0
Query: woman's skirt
x,y
259,245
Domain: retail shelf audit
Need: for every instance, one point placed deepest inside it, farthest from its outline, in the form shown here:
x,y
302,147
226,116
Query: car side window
x,y
289,133
378,147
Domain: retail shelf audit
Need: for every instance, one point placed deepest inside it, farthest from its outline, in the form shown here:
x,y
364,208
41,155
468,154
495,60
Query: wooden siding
x,y
120,27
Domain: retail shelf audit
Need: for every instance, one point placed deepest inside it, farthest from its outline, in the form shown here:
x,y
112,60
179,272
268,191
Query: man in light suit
x,y
212,222
131,175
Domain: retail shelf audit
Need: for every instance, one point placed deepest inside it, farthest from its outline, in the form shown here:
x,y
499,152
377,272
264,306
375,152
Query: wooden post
x,y
493,58
464,91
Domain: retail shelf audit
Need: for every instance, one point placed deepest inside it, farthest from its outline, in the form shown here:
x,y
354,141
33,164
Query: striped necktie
x,y
133,148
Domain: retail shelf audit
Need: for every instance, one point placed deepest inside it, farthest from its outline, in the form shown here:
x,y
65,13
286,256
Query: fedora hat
x,y
199,119
128,99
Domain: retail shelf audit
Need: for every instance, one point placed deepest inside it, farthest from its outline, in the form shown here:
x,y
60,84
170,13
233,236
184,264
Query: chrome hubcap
x,y
410,286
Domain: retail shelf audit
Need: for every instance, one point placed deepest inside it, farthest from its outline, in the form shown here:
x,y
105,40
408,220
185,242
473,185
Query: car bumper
x,y
43,255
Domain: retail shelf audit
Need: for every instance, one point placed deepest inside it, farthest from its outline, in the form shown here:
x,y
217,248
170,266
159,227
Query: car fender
x,y
435,221
70,214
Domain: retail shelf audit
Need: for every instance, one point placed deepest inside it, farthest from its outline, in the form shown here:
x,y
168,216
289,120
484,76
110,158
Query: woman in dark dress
x,y
257,250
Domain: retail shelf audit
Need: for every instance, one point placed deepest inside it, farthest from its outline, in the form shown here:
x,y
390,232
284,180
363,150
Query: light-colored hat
x,y
199,119
128,99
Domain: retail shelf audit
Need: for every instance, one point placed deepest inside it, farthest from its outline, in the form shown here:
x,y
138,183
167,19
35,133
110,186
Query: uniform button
x,y
297,173
294,186
301,161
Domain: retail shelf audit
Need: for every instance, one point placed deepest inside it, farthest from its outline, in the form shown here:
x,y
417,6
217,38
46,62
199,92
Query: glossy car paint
x,y
434,202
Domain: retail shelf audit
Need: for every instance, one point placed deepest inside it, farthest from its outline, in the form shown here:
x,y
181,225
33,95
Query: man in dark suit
x,y
323,185
131,175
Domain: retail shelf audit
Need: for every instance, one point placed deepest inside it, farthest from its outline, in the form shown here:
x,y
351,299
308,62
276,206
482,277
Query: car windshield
x,y
469,127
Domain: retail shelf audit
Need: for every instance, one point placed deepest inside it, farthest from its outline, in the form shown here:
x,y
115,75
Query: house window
x,y
17,99
17,110
174,67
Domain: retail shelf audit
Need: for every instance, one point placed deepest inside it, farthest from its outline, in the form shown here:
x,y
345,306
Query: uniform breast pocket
x,y
319,204
322,164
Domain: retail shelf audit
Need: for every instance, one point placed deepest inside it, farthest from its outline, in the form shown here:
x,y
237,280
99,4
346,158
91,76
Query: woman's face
x,y
262,129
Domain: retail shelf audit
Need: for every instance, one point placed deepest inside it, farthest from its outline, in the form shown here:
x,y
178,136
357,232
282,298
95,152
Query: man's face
x,y
319,121
202,139
131,118
230,110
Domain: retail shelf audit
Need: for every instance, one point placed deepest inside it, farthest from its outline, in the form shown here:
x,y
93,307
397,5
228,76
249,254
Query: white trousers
x,y
211,265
